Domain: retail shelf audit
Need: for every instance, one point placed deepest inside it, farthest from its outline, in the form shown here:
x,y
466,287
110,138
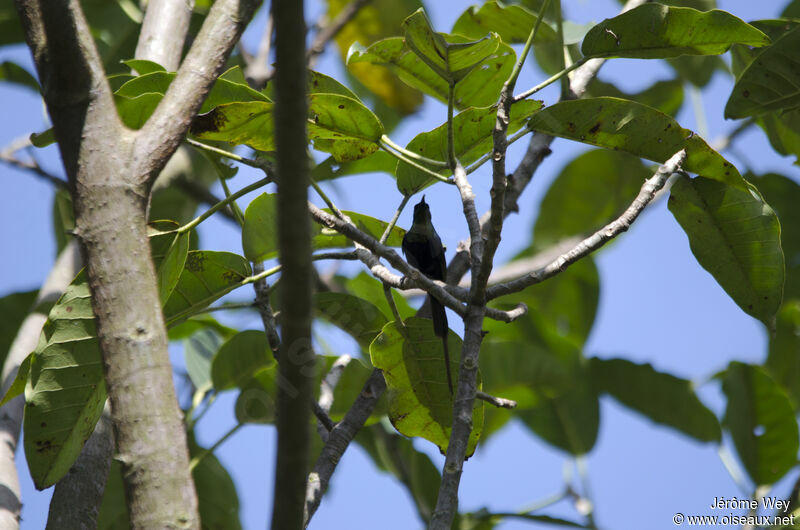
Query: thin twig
x,y
400,156
599,238
7,155
339,439
258,70
498,402
330,30
223,203
393,222
387,292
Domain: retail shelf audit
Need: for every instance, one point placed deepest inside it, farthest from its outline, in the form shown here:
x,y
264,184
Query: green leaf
x,y
662,397
169,250
671,31
513,23
63,219
792,10
472,131
17,387
561,308
377,20
256,401
218,502
697,69
259,236
568,421
192,325
239,358
479,88
113,513
637,129
783,363
379,161
593,189
348,388
761,421
396,455
198,351
249,123
143,66
450,60
365,286
735,236
337,124
771,82
783,195
419,402
44,138
358,317
343,127
223,91
135,111
14,307
14,73
783,132
317,83
65,392
664,96
206,276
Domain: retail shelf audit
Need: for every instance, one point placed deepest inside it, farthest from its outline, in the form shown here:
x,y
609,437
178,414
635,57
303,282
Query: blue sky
x,y
656,305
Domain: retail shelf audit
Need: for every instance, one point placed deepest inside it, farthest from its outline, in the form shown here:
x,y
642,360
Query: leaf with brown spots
x,y
207,276
624,125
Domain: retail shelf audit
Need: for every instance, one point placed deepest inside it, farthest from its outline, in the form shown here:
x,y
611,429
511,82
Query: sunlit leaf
x,y
420,403
671,31
512,22
637,129
472,131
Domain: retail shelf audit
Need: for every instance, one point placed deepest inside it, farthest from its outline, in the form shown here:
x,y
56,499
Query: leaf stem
x,y
485,158
224,202
197,459
386,147
258,164
411,154
451,142
393,222
512,79
550,80
328,201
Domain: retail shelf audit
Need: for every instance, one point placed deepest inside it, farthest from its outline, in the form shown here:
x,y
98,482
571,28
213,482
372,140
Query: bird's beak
x,y
423,200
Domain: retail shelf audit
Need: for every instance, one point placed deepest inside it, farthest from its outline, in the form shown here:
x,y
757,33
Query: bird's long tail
x,y
440,329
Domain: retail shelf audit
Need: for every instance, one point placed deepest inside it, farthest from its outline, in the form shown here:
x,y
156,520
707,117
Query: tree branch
x,y
160,136
330,30
296,358
599,238
77,497
163,34
338,440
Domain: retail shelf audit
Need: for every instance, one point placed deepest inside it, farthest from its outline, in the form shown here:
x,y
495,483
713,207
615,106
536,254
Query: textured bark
x,y
163,34
77,497
64,270
296,356
111,171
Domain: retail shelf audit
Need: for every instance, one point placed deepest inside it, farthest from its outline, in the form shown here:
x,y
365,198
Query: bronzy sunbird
x,y
423,249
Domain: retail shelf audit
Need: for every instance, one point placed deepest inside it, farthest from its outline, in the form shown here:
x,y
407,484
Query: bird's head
x,y
422,213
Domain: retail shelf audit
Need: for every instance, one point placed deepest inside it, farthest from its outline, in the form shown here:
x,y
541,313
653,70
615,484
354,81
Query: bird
x,y
423,249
